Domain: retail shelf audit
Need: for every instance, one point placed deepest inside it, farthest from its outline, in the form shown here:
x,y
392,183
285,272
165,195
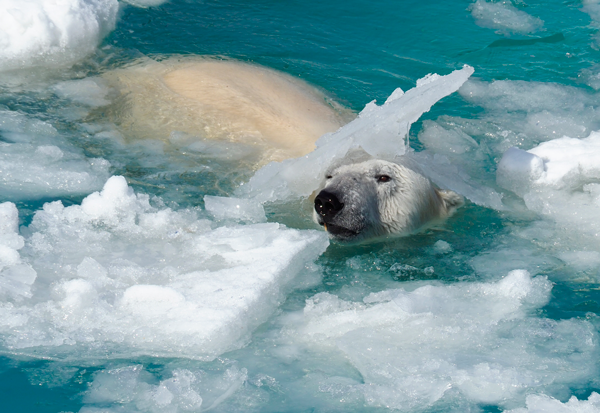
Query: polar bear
x,y
374,198
268,112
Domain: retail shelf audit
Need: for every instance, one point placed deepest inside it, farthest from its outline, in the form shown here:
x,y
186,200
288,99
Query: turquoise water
x,y
356,51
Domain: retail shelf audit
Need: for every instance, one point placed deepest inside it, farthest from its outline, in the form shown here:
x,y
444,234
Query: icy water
x,y
124,289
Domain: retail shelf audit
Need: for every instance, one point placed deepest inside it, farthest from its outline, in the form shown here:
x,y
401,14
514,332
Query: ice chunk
x,y
244,210
540,403
9,219
150,280
379,130
16,277
569,162
33,166
559,179
442,247
411,347
504,17
518,169
50,33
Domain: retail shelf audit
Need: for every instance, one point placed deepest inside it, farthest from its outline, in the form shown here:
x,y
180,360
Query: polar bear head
x,y
375,198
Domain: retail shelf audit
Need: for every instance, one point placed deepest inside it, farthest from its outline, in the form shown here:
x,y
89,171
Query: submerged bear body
x,y
278,115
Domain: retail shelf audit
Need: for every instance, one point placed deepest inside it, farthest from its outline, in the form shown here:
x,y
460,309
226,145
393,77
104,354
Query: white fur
x,y
372,207
221,100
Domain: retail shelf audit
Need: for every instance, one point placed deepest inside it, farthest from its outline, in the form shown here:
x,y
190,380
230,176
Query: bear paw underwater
x,y
375,198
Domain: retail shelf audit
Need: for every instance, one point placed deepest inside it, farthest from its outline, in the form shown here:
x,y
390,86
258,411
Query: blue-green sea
x,y
497,309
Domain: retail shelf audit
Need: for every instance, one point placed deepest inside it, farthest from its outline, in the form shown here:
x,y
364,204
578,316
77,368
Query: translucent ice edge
x,y
116,274
379,130
462,343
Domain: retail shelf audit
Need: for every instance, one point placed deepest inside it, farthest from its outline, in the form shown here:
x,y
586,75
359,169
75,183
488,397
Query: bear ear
x,y
451,200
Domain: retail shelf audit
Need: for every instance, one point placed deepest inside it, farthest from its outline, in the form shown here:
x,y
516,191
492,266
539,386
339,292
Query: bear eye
x,y
328,177
383,178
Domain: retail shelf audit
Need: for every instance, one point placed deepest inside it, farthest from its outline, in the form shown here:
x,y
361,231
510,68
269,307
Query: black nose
x,y
327,204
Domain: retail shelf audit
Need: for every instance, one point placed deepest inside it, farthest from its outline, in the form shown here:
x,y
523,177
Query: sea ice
x,y
121,275
52,33
422,344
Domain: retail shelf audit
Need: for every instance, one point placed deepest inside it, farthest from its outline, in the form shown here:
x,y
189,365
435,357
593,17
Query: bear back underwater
x,y
103,295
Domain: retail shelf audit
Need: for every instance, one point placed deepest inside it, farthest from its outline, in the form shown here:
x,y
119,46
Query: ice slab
x,y
504,18
118,272
379,130
33,166
425,344
52,33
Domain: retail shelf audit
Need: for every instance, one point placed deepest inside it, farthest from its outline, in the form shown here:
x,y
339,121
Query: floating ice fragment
x,y
518,169
504,17
379,130
442,247
16,277
560,179
540,403
52,33
569,162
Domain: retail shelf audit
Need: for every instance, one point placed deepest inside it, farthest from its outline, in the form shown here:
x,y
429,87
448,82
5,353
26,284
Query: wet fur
x,y
403,205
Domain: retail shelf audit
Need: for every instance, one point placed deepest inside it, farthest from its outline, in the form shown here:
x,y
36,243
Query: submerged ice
x,y
504,17
37,162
